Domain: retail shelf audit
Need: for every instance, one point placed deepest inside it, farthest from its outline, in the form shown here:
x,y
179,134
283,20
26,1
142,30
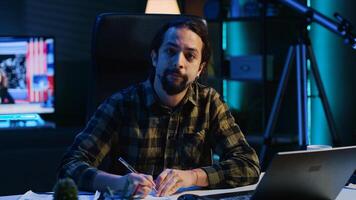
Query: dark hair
x,y
196,25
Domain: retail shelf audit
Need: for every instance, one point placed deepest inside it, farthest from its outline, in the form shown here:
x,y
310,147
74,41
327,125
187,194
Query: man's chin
x,y
173,92
174,89
173,86
175,82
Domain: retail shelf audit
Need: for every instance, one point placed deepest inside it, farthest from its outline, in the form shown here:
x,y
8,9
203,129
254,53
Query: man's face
x,y
178,62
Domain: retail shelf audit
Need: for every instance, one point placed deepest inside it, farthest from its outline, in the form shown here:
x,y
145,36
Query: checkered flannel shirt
x,y
134,125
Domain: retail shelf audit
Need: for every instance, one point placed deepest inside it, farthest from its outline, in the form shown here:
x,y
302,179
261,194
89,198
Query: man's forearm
x,y
104,180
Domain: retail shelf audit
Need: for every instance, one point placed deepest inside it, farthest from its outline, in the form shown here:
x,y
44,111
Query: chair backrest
x,y
120,52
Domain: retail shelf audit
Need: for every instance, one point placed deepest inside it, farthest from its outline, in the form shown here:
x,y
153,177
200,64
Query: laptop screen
x,y
319,174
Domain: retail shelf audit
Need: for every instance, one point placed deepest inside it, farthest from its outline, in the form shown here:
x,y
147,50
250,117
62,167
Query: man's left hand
x,y
170,180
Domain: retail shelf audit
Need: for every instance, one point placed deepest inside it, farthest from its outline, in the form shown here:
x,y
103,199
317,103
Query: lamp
x,y
162,7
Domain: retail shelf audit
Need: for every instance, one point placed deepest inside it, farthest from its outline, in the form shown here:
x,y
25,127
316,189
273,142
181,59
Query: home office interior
x,y
285,69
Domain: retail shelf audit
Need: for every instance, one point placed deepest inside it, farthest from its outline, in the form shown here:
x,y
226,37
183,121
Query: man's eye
x,y
170,51
190,57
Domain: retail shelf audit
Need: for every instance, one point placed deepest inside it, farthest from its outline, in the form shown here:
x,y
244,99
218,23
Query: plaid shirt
x,y
134,125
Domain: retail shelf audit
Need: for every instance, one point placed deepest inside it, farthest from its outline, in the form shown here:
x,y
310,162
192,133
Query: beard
x,y
173,87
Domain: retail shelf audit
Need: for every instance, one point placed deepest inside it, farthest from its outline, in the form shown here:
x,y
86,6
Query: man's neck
x,y
168,100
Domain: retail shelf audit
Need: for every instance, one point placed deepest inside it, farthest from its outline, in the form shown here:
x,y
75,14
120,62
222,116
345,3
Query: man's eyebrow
x,y
170,44
193,50
175,45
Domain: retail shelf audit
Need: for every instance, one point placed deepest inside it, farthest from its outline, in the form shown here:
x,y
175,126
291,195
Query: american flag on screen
x,y
36,66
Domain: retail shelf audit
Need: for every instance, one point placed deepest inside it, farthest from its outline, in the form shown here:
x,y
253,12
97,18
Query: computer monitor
x,y
27,68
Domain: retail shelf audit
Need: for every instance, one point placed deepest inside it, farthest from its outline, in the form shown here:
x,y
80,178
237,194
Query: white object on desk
x,y
29,195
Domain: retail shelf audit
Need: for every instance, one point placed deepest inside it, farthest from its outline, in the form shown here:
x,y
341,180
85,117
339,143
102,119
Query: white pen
x,y
129,167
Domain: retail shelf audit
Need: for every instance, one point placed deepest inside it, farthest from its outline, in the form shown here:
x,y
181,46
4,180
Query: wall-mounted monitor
x,y
27,68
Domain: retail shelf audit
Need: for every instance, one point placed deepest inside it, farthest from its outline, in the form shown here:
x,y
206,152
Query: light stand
x,y
300,52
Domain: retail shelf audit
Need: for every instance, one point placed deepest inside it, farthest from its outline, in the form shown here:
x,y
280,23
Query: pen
x,y
129,167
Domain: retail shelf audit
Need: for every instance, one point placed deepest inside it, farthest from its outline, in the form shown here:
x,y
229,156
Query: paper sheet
x,y
29,195
152,196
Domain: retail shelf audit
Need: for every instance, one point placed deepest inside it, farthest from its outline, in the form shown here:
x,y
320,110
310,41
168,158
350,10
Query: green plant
x,y
65,189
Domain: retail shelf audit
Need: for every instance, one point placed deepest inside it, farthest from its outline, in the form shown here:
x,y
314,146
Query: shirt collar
x,y
192,94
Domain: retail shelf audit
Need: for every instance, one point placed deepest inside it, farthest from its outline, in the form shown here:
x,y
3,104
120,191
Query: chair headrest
x,y
126,38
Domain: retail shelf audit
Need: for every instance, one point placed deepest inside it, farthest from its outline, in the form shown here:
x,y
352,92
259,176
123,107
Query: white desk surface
x,y
347,193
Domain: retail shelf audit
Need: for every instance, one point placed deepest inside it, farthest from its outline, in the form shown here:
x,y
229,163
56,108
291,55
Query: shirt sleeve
x,y
239,164
91,146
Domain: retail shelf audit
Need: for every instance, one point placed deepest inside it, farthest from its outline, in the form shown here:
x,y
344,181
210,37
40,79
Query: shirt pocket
x,y
191,147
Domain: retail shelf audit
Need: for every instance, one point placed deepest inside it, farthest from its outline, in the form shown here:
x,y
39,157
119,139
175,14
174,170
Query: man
x,y
5,97
166,126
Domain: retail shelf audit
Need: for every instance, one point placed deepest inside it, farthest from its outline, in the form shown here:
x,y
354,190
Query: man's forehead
x,y
176,35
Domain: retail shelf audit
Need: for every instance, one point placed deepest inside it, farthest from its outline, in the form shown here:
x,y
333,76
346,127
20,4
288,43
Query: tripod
x,y
299,52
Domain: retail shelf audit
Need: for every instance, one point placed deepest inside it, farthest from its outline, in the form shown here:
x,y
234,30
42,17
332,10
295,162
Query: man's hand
x,y
140,184
170,180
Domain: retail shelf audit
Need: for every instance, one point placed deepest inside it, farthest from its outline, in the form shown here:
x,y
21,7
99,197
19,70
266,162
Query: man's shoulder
x,y
130,92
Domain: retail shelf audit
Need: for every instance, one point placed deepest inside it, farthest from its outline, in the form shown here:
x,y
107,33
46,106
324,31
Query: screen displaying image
x,y
26,75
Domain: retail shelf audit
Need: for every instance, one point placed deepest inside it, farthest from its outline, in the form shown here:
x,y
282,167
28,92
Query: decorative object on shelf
x,y
250,68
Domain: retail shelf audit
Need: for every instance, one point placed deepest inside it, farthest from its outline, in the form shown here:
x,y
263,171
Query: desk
x,y
347,193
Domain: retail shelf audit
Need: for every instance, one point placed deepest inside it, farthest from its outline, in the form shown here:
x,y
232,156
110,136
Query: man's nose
x,y
179,60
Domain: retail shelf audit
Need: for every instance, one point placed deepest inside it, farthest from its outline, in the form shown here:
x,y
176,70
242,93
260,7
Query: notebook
x,y
317,174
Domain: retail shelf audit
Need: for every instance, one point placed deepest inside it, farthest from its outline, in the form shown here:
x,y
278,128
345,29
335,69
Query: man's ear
x,y
201,67
154,58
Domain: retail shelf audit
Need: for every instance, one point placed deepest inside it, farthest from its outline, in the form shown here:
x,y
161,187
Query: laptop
x,y
317,174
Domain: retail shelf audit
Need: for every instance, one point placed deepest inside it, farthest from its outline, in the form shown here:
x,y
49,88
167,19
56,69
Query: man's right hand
x,y
139,184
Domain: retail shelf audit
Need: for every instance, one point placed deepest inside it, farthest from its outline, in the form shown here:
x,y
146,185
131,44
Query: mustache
x,y
173,71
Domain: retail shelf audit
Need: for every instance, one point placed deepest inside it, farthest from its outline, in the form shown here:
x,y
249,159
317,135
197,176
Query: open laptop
x,y
318,174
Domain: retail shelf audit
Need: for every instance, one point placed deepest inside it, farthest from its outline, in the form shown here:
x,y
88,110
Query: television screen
x,y
26,75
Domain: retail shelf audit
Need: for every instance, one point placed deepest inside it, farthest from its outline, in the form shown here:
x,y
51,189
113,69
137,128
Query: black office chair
x,y
120,52
121,57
